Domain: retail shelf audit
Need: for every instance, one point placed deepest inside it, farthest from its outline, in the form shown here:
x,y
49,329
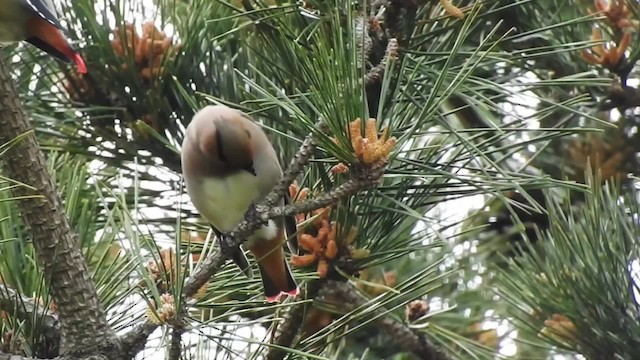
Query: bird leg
x,y
227,243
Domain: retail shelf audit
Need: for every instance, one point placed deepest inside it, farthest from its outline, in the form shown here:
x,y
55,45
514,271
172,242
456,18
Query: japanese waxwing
x,y
35,21
228,163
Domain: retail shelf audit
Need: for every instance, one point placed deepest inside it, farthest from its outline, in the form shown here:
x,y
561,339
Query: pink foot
x,y
273,299
276,298
293,292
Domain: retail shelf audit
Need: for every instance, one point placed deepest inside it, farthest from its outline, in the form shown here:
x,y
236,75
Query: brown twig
x,y
365,180
135,340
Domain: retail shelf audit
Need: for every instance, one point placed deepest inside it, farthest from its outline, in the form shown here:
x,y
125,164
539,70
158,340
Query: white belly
x,y
224,201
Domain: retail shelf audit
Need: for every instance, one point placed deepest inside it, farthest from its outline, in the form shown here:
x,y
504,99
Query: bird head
x,y
223,137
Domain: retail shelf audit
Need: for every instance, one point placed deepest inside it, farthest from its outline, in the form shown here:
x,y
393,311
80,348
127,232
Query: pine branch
x,y
83,322
361,182
135,340
405,337
175,349
363,179
300,159
294,318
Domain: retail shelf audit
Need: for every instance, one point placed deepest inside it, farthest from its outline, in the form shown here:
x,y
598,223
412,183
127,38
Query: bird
x,y
35,21
228,163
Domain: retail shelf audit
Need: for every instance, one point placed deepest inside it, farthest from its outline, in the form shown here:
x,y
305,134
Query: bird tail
x,y
277,278
273,291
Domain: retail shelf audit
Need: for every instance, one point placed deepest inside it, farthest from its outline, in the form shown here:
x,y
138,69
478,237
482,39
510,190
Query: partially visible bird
x,y
228,163
35,21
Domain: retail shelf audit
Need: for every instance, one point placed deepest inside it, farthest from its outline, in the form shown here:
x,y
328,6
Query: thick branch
x,y
136,340
405,337
175,350
83,322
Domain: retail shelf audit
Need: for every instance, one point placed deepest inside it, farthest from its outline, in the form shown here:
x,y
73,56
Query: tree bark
x,y
83,322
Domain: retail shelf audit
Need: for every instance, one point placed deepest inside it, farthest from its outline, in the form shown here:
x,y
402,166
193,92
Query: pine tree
x,y
462,170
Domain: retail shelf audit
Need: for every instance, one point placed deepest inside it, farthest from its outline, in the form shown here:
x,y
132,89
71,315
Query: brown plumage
x,y
228,163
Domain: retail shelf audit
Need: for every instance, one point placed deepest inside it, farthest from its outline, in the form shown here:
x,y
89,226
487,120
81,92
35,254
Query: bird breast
x,y
223,201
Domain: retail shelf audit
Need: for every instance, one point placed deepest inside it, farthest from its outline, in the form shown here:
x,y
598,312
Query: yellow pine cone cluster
x,y
148,49
340,168
488,337
415,310
559,328
370,149
166,312
318,238
163,272
321,248
389,279
168,261
299,195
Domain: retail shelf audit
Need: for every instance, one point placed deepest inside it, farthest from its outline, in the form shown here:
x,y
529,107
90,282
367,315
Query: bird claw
x,y
226,239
